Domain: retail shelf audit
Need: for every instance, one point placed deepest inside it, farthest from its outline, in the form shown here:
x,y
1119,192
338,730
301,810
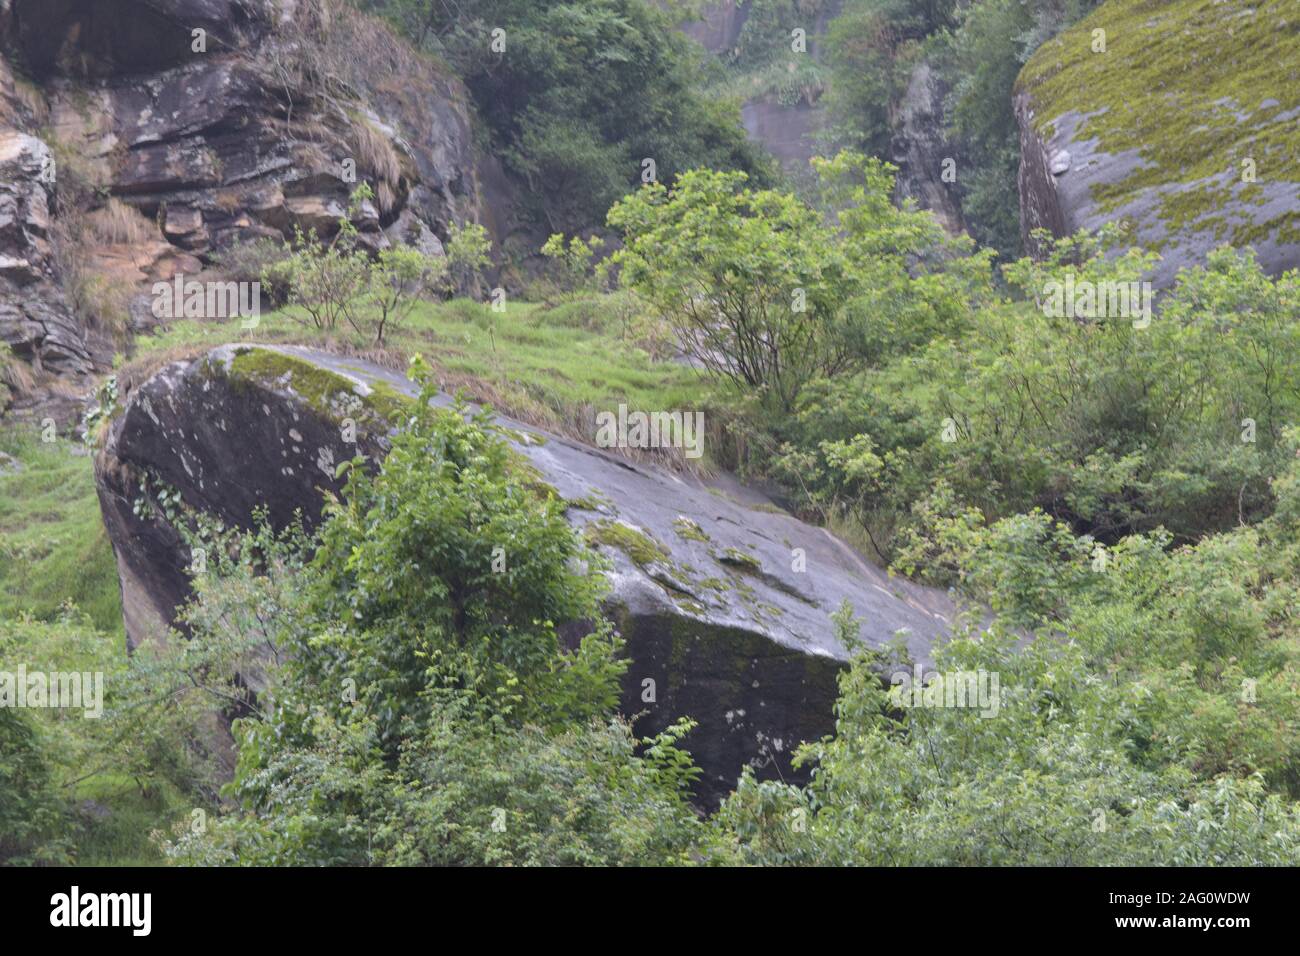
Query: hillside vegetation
x,y
1114,498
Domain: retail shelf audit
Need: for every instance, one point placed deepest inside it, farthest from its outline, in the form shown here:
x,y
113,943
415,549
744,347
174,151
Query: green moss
x,y
1196,87
328,393
692,606
529,438
387,402
637,545
530,476
734,557
592,501
689,530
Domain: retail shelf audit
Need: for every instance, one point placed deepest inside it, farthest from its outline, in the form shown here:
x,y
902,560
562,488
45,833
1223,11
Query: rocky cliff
x,y
919,149
1181,117
142,138
723,599
35,317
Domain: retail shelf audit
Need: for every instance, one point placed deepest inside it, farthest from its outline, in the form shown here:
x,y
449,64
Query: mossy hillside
x,y
1196,87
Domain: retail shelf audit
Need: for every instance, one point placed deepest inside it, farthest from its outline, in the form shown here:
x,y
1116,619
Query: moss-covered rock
x,y
328,393
724,607
236,430
637,545
1182,117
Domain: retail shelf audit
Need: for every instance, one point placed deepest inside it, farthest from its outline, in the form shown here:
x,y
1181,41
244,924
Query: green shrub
x,y
426,709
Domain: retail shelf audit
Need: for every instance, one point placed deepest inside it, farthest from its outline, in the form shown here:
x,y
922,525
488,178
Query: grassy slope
x,y
52,539
1196,86
549,366
59,595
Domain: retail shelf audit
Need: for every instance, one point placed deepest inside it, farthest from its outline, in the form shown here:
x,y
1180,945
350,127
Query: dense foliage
x,y
576,97
426,708
905,372
976,50
771,294
429,678
1117,485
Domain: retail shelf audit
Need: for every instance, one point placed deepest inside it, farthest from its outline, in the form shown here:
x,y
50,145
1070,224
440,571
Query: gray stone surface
x,y
36,320
726,628
214,148
1058,177
919,149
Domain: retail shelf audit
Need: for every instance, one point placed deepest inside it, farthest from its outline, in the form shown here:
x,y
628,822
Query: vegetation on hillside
x,y
977,50
73,789
1114,492
587,95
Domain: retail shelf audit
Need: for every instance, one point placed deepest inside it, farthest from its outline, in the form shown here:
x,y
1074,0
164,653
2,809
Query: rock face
x,y
199,125
35,319
267,128
1181,118
919,150
724,600
719,25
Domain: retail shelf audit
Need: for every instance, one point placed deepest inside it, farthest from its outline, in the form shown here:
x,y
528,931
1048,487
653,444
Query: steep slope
x,y
1187,124
784,114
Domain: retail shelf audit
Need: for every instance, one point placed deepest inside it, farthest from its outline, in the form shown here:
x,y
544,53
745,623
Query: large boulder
x,y
724,600
1182,118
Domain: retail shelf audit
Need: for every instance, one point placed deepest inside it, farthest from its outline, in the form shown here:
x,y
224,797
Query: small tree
x,y
749,280
467,256
574,262
341,280
325,279
398,278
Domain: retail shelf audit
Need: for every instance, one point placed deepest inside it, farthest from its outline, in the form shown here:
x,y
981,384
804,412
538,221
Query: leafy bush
x,y
340,280
468,249
31,815
765,293
426,708
573,266
1049,780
